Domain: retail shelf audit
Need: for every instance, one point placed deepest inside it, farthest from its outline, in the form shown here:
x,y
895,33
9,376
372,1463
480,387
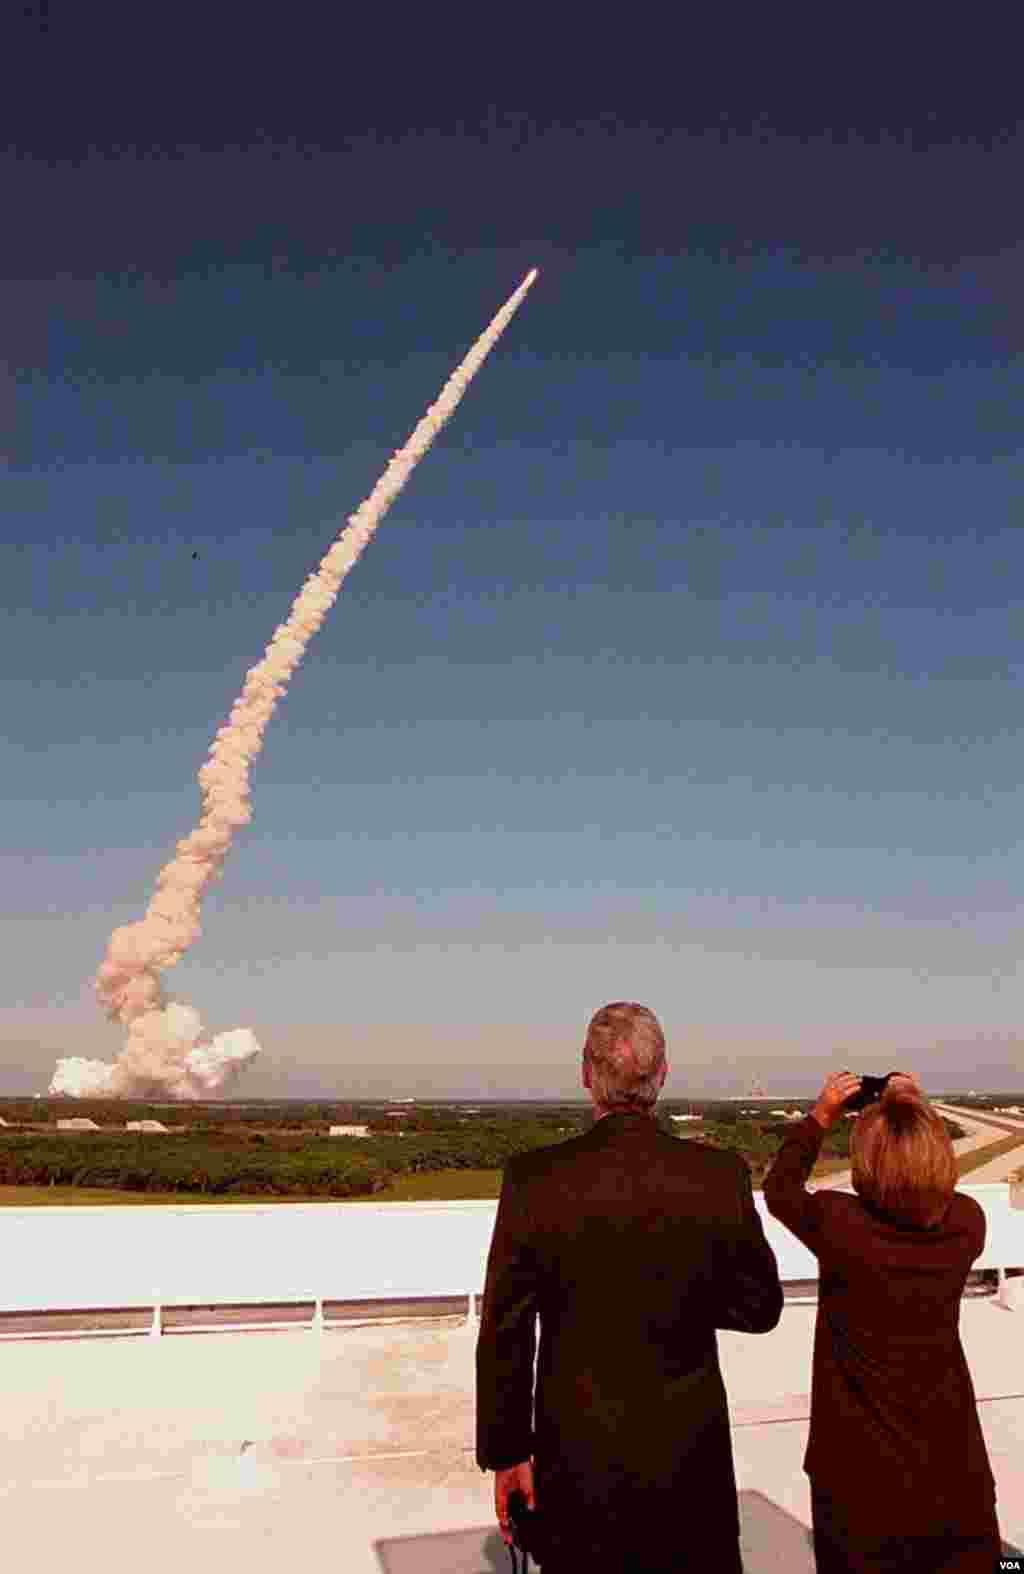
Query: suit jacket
x,y
633,1247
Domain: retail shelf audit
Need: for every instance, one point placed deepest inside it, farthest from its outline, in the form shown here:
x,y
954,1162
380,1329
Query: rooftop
x,y
251,1449
361,1439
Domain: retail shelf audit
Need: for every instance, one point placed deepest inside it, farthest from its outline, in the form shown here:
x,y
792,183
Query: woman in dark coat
x,y
899,1472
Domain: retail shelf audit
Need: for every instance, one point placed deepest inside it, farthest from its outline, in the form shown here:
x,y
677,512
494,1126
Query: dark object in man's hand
x,y
528,1531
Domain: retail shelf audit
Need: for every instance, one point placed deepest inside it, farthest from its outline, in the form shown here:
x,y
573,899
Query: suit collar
x,y
620,1120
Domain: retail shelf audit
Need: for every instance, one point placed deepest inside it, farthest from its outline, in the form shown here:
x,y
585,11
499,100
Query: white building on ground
x,y
357,1131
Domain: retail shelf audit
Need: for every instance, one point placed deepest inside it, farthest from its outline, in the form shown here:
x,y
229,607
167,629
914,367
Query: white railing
x,y
153,1259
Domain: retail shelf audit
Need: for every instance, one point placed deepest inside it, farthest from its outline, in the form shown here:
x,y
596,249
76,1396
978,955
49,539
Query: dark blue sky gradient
x,y
685,669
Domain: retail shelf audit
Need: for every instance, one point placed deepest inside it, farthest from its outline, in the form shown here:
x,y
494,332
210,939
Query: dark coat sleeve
x,y
785,1186
506,1345
747,1288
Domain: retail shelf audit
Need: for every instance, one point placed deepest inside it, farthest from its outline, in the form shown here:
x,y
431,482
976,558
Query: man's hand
x,y
516,1477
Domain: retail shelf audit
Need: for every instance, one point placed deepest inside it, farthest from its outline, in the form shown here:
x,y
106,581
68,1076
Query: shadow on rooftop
x,y
770,1539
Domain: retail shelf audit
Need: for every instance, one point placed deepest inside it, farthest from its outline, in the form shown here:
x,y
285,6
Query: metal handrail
x,y
1009,1293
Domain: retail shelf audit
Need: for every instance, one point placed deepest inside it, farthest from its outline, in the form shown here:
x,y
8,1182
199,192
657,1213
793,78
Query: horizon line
x,y
469,1098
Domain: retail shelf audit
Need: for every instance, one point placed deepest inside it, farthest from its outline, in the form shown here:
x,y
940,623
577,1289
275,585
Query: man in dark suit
x,y
633,1248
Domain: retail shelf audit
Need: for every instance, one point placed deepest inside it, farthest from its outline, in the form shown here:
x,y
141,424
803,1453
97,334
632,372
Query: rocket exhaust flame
x,y
163,1053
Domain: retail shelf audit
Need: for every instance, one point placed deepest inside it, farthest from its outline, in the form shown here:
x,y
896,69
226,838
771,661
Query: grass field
x,y
439,1186
435,1186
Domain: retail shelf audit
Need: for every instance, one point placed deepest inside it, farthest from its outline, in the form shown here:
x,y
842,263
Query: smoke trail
x,y
163,1054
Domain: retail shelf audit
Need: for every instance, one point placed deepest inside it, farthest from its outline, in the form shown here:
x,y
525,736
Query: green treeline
x,y
221,1162
267,1152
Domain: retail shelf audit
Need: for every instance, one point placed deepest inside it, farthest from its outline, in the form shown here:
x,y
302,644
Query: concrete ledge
x,y
331,1316
1010,1294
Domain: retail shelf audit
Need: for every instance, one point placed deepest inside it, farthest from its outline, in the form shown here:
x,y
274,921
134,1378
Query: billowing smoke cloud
x,y
164,1055
179,1066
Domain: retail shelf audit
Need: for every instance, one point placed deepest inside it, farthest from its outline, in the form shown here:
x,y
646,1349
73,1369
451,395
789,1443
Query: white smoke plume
x,y
180,1067
163,1055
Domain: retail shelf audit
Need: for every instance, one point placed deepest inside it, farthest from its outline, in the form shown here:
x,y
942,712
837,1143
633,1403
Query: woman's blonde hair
x,y
625,1050
902,1159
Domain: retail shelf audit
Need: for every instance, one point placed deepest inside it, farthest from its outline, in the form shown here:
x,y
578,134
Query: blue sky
x,y
685,669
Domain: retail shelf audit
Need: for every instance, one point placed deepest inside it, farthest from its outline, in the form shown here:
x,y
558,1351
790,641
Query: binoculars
x,y
871,1088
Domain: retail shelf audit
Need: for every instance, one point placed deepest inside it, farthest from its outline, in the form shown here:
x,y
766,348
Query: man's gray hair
x,y
625,1049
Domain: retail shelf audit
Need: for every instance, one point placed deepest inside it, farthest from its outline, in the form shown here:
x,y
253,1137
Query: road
x,y
982,1130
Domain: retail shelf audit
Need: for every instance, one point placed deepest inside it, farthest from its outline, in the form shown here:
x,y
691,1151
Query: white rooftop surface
x,y
252,1450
